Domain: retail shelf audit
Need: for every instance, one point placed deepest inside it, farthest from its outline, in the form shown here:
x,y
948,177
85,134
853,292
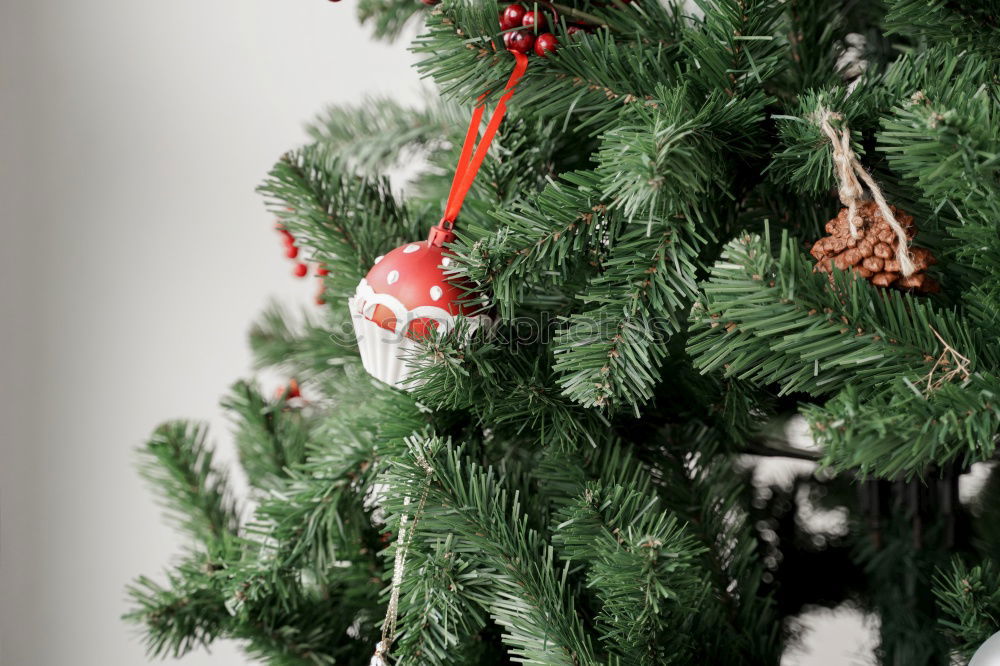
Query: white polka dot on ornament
x,y
436,293
392,277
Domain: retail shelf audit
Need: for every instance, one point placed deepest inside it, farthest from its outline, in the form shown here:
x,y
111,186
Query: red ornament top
x,y
408,289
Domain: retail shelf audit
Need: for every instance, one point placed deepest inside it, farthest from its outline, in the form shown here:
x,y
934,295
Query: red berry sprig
x,y
321,272
301,269
292,250
288,392
523,31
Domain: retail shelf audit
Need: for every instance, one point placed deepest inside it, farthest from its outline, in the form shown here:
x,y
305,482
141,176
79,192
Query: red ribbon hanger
x,y
473,154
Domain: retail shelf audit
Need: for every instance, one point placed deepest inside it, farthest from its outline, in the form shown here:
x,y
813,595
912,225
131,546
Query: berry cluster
x,y
289,392
524,31
301,269
292,251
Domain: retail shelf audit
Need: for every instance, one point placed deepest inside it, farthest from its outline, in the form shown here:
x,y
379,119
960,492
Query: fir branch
x,y
389,18
321,523
562,480
503,383
771,319
812,28
903,430
805,160
593,78
375,142
588,79
540,243
288,618
308,349
698,485
969,597
270,436
459,44
735,46
322,517
660,169
186,613
195,493
643,566
660,159
610,353
345,220
946,143
970,25
528,597
443,604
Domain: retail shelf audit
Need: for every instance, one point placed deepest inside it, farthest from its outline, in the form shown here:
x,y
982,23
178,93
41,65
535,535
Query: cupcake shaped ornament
x,y
406,295
408,292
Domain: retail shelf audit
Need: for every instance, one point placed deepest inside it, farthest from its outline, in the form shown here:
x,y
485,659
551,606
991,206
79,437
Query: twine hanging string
x,y
403,539
473,154
849,171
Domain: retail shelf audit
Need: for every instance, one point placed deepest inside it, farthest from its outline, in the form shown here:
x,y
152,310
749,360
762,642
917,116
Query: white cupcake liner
x,y
383,352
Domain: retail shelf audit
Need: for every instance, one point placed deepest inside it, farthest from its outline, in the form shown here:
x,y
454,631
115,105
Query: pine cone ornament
x,y
873,253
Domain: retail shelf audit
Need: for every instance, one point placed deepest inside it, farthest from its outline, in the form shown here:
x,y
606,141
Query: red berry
x,y
521,41
322,270
429,3
534,21
293,389
512,16
300,270
291,251
545,43
573,29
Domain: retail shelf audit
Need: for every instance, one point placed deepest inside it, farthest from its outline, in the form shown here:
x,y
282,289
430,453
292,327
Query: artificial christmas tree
x,y
569,484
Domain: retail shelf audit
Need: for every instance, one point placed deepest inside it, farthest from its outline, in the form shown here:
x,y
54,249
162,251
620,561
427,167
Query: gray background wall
x,y
134,254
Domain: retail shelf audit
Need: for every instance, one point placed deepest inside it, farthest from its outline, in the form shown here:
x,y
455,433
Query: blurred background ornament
x,y
988,653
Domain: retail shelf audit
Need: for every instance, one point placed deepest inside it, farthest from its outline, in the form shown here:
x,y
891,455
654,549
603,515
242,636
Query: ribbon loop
x,y
473,153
